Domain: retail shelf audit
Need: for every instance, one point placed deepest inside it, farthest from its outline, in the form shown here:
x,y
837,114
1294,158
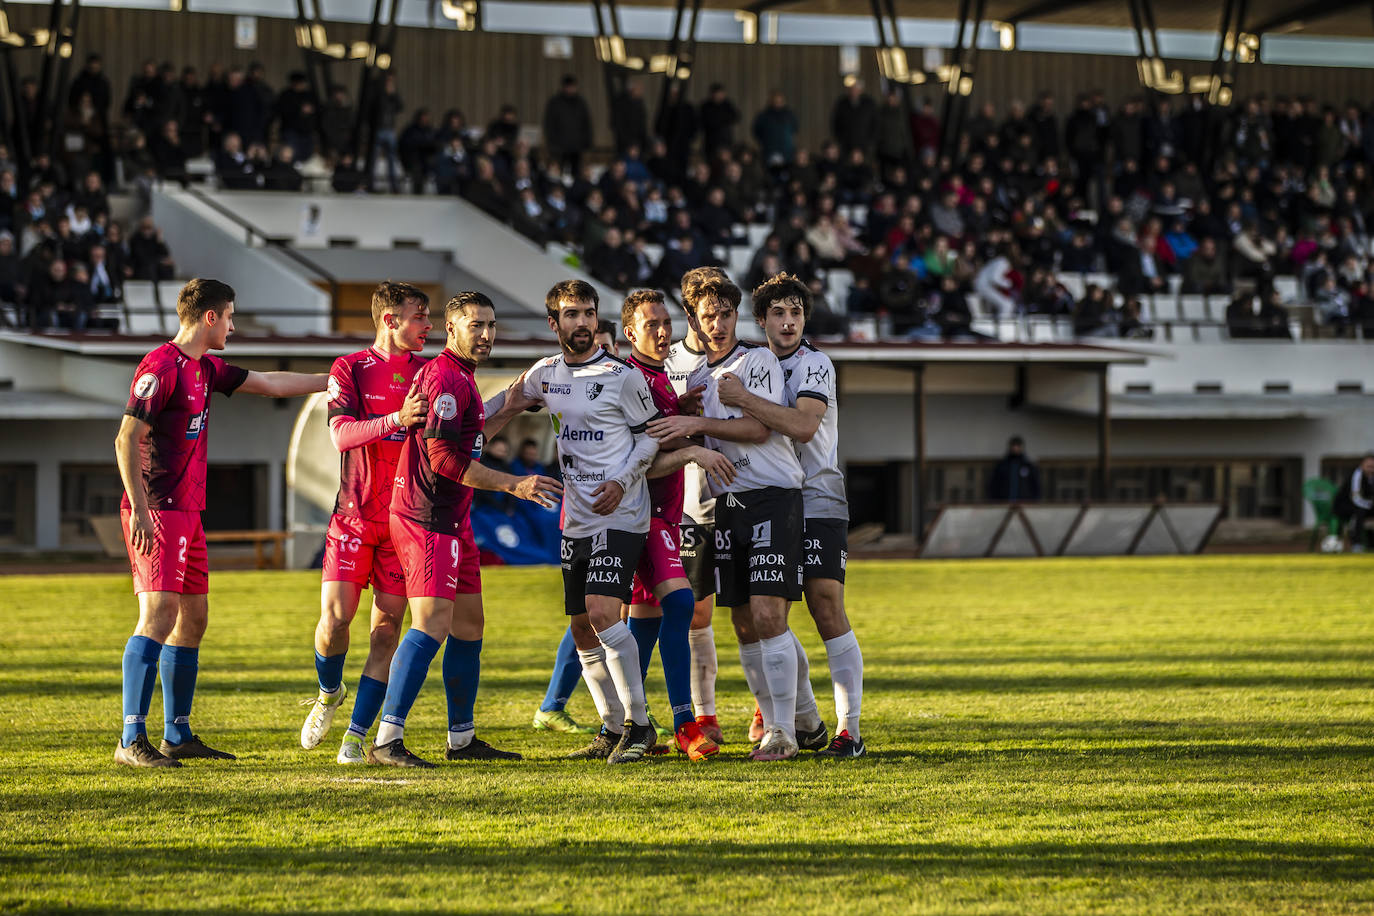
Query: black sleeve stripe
x,y
448,435
138,414
639,428
340,412
814,394
242,377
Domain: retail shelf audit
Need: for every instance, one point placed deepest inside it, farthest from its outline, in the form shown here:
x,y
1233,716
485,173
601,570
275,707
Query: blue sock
x,y
366,705
179,667
140,676
676,650
567,671
330,671
409,667
645,632
462,670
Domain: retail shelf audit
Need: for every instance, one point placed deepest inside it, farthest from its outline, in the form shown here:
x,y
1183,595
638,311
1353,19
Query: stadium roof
x,y
244,347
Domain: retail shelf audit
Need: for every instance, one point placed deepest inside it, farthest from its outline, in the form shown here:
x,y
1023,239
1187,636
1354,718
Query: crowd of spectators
x,y
62,255
1160,194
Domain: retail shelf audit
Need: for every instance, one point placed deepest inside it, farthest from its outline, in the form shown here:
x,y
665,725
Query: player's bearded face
x,y
577,328
471,332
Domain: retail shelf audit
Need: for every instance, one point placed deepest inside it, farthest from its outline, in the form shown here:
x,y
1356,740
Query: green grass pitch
x,y
1100,736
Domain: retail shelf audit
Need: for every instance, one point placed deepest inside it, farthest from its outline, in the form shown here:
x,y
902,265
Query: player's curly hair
x,y
634,301
704,284
468,297
780,288
391,297
571,291
200,296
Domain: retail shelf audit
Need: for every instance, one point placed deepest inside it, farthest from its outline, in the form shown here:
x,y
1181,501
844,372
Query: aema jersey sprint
x,y
363,386
171,393
596,408
772,463
808,373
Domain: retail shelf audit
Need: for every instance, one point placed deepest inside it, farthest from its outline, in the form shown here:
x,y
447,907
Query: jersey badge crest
x,y
146,386
594,390
446,406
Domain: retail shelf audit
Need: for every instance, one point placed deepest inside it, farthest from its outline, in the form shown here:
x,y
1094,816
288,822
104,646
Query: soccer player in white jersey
x,y
758,557
810,417
696,543
599,407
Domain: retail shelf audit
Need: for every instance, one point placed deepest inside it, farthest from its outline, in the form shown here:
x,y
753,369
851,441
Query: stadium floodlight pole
x,y
66,42
918,458
363,115
316,61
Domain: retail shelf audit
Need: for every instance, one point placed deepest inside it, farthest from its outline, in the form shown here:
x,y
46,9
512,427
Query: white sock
x,y
459,739
808,715
388,732
703,643
599,684
622,660
847,674
751,660
780,673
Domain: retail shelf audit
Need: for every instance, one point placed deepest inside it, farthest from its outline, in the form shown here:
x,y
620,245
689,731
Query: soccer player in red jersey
x,y
161,451
433,536
371,404
662,605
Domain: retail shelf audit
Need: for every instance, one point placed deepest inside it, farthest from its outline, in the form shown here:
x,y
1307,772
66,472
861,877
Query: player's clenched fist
x,y
730,389
542,490
608,497
414,408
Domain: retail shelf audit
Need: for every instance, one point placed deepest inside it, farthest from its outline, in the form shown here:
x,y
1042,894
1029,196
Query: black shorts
x,y
826,549
758,545
696,547
600,564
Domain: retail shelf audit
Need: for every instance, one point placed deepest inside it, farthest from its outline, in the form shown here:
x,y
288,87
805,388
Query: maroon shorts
x,y
177,561
436,565
658,563
362,553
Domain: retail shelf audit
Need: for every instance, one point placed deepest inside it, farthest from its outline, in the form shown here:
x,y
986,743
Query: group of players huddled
x,y
690,470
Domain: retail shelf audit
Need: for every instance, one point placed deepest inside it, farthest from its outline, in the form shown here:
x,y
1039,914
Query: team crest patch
x,y
593,390
146,386
446,407
331,388
599,542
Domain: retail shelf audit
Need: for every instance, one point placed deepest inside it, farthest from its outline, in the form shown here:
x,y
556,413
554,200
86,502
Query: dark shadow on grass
x,y
913,685
563,859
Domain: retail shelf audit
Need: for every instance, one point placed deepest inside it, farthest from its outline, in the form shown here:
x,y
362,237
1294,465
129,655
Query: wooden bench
x,y
111,535
258,539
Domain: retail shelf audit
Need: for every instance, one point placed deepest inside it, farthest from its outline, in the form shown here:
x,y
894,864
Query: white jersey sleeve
x,y
810,374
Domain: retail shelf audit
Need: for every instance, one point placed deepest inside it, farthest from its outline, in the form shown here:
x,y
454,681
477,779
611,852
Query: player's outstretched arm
x,y
283,384
503,407
710,460
799,423
537,489
128,444
739,429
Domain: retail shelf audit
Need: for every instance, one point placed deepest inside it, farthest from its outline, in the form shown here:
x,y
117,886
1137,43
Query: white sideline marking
x,y
373,780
